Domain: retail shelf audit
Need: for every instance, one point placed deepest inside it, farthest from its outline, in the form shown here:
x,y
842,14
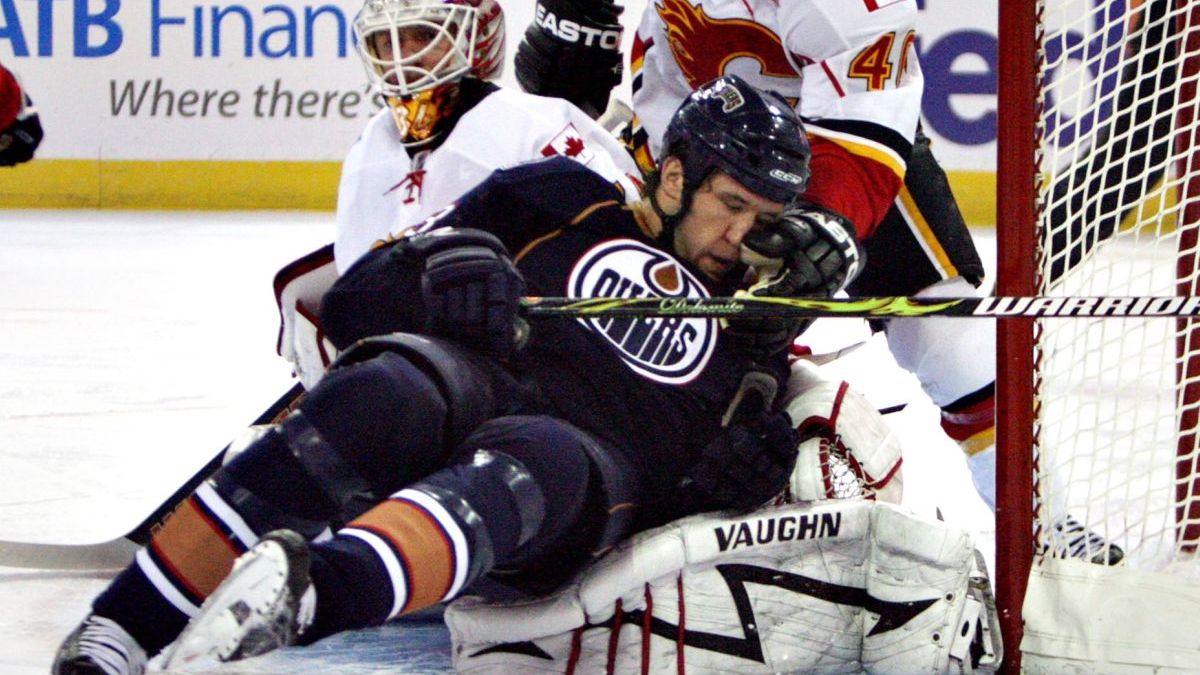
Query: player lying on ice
x,y
454,449
852,73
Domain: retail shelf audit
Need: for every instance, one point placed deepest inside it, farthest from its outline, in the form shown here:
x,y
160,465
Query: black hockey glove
x,y
572,50
808,252
471,289
22,137
818,249
746,465
763,337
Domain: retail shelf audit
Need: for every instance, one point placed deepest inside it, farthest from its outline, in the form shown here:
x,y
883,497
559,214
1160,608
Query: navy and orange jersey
x,y
849,67
655,388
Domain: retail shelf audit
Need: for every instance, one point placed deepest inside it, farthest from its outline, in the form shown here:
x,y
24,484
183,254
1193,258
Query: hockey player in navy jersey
x,y
853,74
453,446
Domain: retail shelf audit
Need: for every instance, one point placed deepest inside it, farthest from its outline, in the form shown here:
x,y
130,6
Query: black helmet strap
x,y
670,221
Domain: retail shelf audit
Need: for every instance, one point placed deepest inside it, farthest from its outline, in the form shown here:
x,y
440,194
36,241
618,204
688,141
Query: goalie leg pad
x,y
839,587
704,593
933,570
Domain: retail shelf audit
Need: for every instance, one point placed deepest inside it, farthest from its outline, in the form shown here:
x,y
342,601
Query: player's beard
x,y
418,116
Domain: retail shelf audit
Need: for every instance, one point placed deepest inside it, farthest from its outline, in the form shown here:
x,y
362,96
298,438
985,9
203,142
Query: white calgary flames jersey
x,y
383,191
849,67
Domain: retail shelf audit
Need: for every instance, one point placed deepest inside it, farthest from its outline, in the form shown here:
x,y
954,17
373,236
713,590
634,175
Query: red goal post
x,y
1098,194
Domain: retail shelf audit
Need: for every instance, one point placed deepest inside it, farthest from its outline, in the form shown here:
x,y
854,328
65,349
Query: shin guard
x,y
428,542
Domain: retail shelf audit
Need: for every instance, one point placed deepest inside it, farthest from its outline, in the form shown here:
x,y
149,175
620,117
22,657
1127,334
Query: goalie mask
x,y
416,51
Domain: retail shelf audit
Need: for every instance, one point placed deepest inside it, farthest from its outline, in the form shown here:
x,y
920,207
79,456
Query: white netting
x,y
1114,407
843,480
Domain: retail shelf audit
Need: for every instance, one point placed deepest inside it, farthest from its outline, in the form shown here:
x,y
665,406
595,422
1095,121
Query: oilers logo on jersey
x,y
670,350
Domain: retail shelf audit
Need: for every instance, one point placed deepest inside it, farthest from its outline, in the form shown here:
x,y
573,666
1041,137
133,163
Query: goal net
x,y
1099,196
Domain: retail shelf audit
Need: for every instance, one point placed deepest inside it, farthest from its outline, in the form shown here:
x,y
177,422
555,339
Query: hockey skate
x,y
99,646
1075,540
265,603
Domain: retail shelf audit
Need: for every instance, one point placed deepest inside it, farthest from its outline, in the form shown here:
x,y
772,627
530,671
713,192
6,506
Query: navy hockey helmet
x,y
752,135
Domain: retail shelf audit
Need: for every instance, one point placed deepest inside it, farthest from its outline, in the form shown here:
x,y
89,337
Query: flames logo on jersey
x,y
693,37
664,349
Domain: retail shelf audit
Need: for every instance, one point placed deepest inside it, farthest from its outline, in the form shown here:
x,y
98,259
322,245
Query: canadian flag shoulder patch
x,y
569,143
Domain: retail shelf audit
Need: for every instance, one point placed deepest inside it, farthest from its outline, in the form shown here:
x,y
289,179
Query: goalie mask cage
x,y
1098,195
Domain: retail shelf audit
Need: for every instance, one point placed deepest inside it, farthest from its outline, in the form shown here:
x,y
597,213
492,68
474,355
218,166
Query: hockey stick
x,y
117,552
141,534
25,554
873,307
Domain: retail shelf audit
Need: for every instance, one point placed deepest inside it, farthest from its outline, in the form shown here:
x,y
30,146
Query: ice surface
x,y
408,646
133,342
133,345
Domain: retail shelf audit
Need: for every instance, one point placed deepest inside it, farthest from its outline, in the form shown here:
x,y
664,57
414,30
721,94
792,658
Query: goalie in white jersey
x,y
445,127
